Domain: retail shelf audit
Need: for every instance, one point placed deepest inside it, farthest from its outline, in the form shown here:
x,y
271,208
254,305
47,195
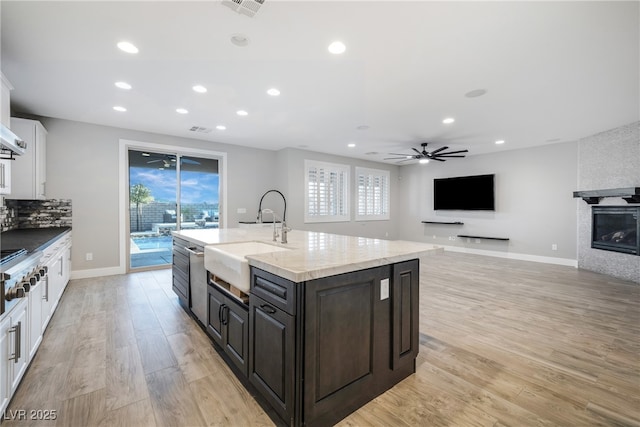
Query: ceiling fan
x,y
169,161
424,156
165,162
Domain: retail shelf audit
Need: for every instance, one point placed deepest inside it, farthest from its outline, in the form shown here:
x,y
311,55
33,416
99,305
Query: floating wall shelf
x,y
484,237
443,222
593,197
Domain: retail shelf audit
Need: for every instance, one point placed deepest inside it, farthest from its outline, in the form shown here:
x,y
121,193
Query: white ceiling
x,y
553,71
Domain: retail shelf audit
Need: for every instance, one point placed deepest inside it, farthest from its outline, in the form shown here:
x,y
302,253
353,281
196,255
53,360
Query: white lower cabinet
x,y
5,338
35,317
22,328
14,356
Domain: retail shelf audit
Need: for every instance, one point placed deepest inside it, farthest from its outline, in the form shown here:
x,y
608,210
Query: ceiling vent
x,y
245,7
199,129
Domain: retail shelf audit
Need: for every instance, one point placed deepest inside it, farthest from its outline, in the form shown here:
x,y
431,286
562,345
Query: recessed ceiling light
x,y
423,161
119,108
351,145
145,154
127,47
181,111
500,141
448,120
242,113
221,127
239,40
123,85
273,91
199,89
475,93
337,48
363,127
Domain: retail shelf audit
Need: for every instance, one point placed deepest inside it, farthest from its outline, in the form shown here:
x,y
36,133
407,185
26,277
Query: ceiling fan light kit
x,y
424,156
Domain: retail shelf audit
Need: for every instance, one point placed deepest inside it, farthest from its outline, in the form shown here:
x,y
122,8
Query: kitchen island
x,y
323,326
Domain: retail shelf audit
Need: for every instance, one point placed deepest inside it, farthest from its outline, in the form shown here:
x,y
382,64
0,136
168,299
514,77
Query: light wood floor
x,y
503,343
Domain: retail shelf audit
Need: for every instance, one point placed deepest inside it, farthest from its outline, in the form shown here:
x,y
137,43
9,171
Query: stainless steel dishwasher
x,y
198,282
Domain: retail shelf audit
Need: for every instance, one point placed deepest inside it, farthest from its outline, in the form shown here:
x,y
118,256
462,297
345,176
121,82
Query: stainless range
x,y
19,272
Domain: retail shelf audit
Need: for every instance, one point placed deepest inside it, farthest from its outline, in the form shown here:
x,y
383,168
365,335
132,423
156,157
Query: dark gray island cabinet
x,y
320,349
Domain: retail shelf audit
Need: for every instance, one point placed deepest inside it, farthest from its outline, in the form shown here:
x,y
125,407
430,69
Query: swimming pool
x,y
152,242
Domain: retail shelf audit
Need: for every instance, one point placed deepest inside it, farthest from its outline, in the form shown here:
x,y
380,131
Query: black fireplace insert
x,y
616,228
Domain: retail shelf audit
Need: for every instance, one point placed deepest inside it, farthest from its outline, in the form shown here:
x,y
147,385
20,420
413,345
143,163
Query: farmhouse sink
x,y
228,262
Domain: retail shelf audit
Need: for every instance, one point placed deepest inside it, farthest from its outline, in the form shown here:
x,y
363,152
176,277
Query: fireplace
x,y
616,228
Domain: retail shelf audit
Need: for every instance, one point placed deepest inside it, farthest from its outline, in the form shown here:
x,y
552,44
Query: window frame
x,y
385,214
342,169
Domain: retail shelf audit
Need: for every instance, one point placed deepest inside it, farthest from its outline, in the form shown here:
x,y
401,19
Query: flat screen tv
x,y
465,193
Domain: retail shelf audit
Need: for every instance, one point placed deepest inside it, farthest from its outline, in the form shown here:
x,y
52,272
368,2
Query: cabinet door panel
x,y
5,368
237,334
214,324
345,344
345,354
405,312
272,355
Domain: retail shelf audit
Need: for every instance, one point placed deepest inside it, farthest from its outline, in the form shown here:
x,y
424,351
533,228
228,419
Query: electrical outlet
x,y
384,289
242,210
554,247
89,256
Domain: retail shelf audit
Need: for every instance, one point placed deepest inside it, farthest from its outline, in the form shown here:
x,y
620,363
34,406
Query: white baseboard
x,y
511,255
97,272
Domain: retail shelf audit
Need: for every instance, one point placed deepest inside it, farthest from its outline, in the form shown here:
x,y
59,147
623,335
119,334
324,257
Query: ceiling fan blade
x,y
434,152
154,161
398,158
189,161
454,152
448,156
400,154
419,153
440,160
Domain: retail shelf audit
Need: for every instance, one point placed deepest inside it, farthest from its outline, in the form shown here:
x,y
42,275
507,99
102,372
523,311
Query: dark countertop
x,y
31,239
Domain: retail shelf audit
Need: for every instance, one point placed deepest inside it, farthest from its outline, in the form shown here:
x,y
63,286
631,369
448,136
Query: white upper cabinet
x,y
29,171
5,101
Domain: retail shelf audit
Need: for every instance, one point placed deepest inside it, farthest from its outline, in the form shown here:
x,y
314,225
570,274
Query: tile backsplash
x,y
35,213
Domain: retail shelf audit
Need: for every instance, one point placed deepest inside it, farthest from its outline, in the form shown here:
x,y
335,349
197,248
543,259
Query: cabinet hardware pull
x,y
220,313
193,251
46,290
225,314
268,308
17,329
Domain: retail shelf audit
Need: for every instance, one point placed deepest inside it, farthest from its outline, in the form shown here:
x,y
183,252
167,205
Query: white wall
x,y
291,178
534,204
535,207
82,165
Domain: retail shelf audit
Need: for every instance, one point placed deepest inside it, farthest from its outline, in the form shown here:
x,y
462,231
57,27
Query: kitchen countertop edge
x,y
295,265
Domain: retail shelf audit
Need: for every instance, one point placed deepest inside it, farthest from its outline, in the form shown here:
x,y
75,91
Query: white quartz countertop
x,y
313,254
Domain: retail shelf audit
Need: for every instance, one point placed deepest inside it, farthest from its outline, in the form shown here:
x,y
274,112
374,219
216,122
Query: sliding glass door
x,y
168,192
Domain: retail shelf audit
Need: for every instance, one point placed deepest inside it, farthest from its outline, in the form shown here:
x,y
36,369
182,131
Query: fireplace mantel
x,y
593,197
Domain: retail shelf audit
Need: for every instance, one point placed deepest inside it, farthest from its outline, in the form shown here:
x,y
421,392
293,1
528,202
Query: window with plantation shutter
x,y
372,194
327,192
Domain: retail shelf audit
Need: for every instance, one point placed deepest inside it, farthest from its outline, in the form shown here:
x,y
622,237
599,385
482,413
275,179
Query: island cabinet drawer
x,y
274,290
